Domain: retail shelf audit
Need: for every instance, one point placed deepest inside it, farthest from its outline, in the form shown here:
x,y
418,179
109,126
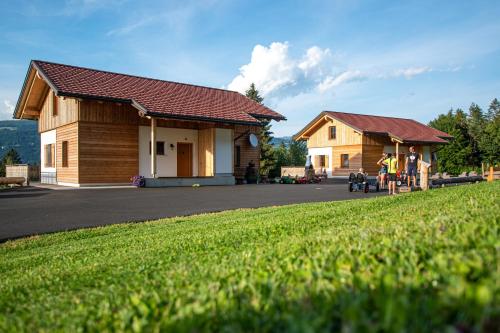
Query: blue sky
x,y
412,59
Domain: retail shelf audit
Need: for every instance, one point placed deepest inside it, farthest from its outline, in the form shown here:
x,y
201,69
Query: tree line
x,y
476,138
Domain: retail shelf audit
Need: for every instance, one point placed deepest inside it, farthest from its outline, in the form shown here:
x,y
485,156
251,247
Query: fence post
x,y
491,175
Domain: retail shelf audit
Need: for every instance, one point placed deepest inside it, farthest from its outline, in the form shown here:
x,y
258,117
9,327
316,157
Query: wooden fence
x,y
292,171
29,172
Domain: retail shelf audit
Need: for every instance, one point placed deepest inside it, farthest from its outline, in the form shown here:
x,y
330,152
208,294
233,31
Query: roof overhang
x,y
266,117
37,84
33,92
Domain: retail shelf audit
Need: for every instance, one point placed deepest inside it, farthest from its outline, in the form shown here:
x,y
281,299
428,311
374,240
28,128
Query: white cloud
x,y
334,81
270,68
274,71
277,74
313,60
412,71
7,110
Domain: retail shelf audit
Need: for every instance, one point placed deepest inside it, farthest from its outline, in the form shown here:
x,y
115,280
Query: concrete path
x,y
30,211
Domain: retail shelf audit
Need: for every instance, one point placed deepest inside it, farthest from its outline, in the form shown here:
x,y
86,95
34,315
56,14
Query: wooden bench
x,y
12,181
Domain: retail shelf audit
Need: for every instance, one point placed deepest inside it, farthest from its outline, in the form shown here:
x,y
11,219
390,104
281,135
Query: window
x,y
64,154
344,160
321,161
160,147
54,104
332,132
49,156
237,156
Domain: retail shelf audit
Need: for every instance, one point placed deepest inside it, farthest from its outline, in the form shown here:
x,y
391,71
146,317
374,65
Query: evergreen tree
x,y
253,93
453,157
493,110
10,157
267,156
298,153
476,122
489,143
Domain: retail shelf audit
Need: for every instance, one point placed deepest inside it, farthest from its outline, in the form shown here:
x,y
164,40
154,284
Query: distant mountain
x,y
22,135
279,140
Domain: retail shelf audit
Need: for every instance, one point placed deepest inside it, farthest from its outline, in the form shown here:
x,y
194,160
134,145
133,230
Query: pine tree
x,y
253,93
476,122
489,143
267,156
493,110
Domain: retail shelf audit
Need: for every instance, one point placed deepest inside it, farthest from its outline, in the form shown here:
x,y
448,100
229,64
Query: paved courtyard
x,y
30,211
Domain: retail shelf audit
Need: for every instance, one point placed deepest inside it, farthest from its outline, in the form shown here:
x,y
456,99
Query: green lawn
x,y
422,262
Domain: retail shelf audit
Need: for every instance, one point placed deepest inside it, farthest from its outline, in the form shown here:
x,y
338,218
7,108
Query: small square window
x,y
160,147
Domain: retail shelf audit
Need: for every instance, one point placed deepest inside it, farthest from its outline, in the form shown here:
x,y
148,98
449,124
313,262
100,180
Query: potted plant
x,y
138,181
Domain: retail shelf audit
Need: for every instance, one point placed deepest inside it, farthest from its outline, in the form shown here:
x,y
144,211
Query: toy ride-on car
x,y
361,182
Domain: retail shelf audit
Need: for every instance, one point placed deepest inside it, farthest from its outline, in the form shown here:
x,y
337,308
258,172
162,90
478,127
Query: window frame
x,y
334,136
158,150
64,154
55,105
344,158
49,155
237,156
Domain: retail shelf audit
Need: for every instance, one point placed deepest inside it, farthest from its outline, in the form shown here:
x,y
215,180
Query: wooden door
x,y
184,159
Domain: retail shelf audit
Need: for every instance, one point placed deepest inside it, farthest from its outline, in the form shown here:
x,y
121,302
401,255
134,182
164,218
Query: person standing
x,y
412,160
391,164
382,174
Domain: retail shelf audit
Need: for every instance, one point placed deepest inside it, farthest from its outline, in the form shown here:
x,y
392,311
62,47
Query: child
x,y
382,174
391,164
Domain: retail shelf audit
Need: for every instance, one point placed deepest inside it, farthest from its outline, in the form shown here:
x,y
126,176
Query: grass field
x,y
420,262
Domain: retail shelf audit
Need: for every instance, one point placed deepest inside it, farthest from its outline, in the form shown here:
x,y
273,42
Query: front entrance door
x,y
184,159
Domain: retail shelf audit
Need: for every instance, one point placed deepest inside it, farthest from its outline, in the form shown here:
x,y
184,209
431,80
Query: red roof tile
x,y
408,130
156,97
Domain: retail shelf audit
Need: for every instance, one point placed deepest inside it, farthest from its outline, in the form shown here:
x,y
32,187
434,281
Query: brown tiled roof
x,y
155,97
407,130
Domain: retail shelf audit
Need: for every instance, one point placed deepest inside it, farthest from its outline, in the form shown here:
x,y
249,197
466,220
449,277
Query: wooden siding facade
x,y
364,150
103,140
206,152
247,153
67,173
345,135
67,112
108,153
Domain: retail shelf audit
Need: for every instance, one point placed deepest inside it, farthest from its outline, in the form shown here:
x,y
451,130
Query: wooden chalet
x,y
341,143
101,128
